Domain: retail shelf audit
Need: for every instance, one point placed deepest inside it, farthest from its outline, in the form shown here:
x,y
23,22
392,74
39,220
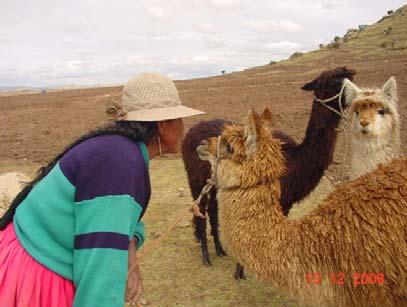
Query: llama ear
x,y
250,134
267,120
310,86
351,91
390,88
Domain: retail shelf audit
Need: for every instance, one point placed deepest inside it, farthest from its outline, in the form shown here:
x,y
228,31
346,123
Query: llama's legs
x,y
200,235
213,219
239,273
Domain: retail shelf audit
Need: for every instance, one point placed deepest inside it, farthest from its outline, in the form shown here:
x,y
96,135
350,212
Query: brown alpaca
x,y
306,162
359,228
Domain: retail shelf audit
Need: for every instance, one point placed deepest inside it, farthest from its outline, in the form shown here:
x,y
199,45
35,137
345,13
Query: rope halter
x,y
210,183
213,180
342,113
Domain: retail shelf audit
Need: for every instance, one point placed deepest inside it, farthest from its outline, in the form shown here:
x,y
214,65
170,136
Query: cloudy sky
x,y
54,43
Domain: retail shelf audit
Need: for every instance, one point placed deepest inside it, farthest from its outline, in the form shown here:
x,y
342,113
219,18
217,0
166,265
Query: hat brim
x,y
159,114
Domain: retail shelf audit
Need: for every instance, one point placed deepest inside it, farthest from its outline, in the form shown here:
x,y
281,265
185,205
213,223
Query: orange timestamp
x,y
339,278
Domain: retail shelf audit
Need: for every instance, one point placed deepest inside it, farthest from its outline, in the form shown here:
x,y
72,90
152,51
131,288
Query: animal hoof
x,y
206,261
239,273
239,276
221,253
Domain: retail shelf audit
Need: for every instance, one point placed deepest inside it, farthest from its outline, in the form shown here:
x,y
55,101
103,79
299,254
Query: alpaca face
x,y
374,111
248,155
371,119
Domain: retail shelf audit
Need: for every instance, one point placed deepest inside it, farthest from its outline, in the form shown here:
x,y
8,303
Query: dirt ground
x,y
33,128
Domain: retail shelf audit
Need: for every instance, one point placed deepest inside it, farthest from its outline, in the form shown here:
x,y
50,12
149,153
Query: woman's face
x,y
171,135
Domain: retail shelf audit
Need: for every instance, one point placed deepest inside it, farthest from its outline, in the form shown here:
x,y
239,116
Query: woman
x,y
69,236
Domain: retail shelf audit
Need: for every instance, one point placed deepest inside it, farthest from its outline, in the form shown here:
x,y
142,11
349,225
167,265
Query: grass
x,y
173,272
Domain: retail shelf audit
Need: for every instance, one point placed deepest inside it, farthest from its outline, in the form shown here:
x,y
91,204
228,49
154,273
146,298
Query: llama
x,y
375,126
10,185
350,251
306,162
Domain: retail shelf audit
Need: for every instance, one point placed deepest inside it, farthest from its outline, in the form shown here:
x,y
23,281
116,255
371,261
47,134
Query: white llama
x,y
375,127
10,185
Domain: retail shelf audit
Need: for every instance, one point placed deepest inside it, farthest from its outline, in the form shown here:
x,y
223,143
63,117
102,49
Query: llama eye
x,y
381,112
357,112
229,148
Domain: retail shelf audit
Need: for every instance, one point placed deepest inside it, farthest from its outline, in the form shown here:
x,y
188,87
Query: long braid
x,y
137,131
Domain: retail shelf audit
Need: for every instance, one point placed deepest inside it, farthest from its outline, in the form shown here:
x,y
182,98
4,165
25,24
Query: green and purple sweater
x,y
79,219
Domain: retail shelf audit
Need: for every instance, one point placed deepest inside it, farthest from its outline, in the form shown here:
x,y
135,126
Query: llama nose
x,y
204,142
364,123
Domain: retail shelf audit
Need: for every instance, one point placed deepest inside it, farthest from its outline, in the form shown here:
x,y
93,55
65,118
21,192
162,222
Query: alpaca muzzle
x,y
364,123
203,150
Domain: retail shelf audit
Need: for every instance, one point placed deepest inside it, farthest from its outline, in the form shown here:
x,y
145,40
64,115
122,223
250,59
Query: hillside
x,y
387,37
34,127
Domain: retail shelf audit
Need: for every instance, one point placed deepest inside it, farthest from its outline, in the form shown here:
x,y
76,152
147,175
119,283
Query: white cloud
x,y
283,45
206,28
156,11
290,26
225,3
95,42
137,59
331,4
201,58
266,26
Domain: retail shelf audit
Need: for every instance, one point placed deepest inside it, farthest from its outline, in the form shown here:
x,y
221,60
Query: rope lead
x,y
210,183
345,127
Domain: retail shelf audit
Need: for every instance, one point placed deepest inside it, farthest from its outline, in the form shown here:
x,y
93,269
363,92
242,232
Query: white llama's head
x,y
374,111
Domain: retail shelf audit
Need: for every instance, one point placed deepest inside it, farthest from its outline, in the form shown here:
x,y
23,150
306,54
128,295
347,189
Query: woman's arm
x,y
134,286
103,227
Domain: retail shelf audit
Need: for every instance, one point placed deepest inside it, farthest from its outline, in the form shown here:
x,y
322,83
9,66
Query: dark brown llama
x,y
306,162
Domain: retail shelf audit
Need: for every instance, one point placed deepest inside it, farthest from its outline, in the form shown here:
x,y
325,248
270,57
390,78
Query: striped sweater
x,y
78,220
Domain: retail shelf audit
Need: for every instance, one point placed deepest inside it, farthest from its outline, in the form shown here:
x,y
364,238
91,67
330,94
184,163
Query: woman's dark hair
x,y
137,131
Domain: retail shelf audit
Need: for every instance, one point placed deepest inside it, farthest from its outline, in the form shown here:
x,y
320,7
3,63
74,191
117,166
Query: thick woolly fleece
x,y
359,228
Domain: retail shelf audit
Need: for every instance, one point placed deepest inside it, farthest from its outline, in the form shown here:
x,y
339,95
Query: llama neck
x,y
308,161
368,152
273,248
319,142
253,226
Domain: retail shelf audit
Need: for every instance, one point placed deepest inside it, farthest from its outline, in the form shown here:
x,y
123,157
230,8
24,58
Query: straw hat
x,y
149,97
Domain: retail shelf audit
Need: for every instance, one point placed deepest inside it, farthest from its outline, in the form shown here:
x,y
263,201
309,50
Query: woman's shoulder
x,y
103,154
114,144
106,147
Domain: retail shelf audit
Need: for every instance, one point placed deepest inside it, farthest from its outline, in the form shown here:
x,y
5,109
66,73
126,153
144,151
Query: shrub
x,y
333,45
384,44
383,18
387,30
387,44
296,55
350,31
